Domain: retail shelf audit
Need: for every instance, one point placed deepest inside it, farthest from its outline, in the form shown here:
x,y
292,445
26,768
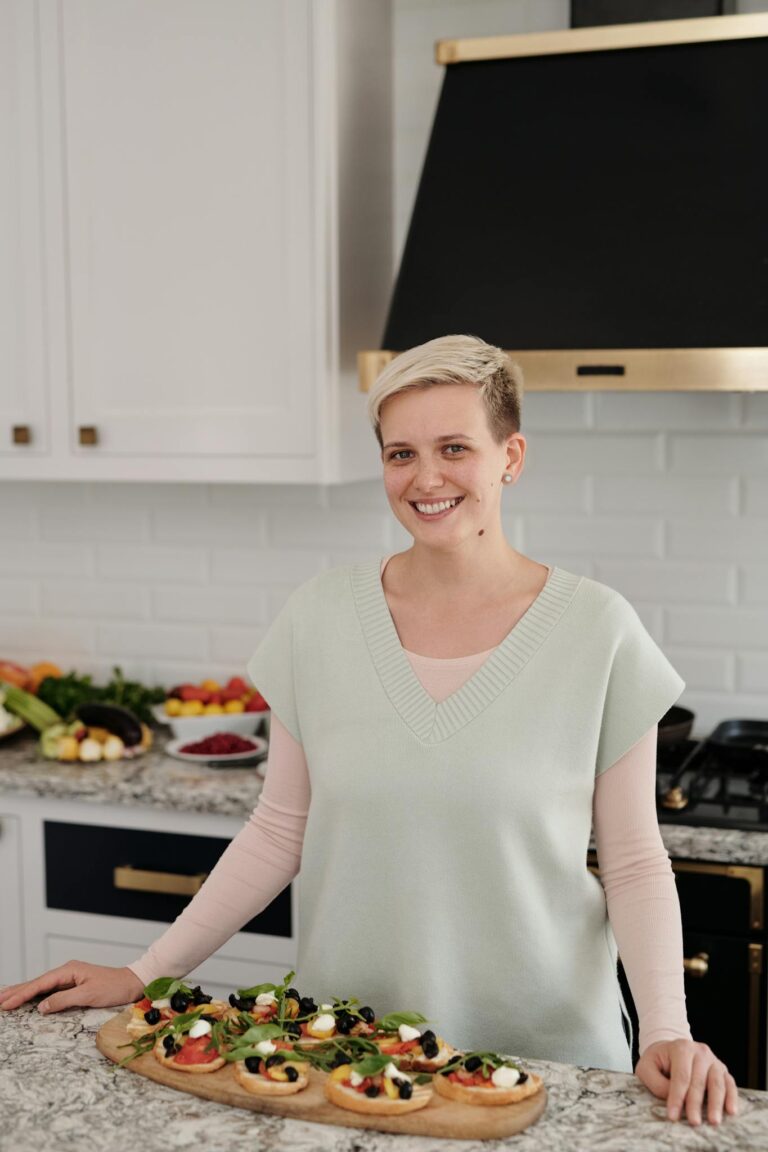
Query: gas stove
x,y
705,783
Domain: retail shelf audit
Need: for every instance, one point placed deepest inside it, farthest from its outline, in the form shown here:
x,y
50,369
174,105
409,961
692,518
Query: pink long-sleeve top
x,y
635,868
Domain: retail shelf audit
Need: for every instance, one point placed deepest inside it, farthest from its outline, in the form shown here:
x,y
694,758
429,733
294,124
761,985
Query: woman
x,y
462,715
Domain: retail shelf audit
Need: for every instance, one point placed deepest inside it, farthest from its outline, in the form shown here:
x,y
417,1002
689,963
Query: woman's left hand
x,y
682,1072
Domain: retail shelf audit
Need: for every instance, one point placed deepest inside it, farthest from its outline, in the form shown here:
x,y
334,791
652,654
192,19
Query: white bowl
x,y
197,727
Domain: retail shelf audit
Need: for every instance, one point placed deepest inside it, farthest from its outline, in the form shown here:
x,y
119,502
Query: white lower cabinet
x,y
66,908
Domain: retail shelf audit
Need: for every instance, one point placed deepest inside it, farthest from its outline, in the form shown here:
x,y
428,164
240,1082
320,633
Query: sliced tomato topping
x,y
193,1052
397,1047
264,1011
366,1083
144,1005
470,1080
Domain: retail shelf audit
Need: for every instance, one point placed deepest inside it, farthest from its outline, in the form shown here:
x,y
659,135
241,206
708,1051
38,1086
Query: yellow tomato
x,y
191,708
212,710
173,706
210,685
234,706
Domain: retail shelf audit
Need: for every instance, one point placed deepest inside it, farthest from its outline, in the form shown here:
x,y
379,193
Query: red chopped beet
x,y
220,744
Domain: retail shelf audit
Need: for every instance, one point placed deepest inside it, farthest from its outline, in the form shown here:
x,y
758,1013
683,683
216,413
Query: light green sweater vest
x,y
444,861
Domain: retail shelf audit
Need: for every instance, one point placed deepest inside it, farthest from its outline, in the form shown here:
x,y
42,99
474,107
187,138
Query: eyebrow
x,y
439,440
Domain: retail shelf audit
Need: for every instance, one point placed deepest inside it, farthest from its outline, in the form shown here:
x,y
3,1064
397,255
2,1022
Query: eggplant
x,y
116,719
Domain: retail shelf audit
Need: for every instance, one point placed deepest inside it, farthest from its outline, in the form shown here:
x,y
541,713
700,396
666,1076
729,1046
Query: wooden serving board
x,y
442,1118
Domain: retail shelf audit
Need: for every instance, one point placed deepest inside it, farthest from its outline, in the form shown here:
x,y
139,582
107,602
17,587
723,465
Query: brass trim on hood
x,y
602,38
622,369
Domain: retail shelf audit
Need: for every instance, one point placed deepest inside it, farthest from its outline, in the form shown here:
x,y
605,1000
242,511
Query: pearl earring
x,y
507,478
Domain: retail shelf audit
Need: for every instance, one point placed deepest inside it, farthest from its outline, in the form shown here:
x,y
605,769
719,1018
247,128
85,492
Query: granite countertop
x,y
159,781
58,1092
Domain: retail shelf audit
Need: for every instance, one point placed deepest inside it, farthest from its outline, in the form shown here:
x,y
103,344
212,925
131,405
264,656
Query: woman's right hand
x,y
76,985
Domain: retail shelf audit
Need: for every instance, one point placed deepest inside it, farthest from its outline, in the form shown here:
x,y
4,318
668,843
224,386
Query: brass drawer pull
x,y
87,434
169,883
697,965
21,434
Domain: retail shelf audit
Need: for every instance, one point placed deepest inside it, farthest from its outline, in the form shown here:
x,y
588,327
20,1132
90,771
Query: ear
x,y
515,448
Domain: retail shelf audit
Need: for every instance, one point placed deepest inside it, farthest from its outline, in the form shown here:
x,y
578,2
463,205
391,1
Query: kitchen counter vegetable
x,y
158,781
58,1091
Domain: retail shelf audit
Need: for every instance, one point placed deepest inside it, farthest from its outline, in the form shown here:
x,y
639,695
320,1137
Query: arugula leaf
x,y
165,987
259,989
392,1021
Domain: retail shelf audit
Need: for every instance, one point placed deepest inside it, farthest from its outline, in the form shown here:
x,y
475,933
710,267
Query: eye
x,y
454,449
401,454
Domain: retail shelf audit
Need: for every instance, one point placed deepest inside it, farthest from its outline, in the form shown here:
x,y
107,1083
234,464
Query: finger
x,y
731,1095
679,1080
78,997
654,1079
716,1092
694,1097
21,993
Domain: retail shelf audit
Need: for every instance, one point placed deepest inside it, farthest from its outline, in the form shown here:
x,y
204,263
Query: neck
x,y
479,566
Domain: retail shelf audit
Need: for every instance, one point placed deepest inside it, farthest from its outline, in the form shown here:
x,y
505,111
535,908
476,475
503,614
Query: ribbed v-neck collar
x,y
433,722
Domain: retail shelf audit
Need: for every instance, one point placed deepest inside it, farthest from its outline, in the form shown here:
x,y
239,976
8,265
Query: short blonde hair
x,y
455,360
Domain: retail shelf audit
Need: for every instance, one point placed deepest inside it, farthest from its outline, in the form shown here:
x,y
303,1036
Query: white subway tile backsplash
x,y
23,596
152,562
17,524
730,628
724,454
593,535
162,640
667,494
552,411
235,646
215,603
754,583
755,495
94,522
256,496
688,411
752,673
234,524
33,559
122,601
708,538
669,581
260,566
35,638
709,708
328,528
703,671
542,493
593,453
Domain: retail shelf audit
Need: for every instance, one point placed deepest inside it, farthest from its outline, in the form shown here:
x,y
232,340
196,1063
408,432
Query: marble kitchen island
x,y
58,1092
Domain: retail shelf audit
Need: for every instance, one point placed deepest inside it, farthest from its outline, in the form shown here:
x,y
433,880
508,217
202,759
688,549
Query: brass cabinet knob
x,y
87,434
21,434
697,965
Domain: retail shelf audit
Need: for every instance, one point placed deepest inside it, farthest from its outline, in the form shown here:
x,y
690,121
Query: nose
x,y
429,475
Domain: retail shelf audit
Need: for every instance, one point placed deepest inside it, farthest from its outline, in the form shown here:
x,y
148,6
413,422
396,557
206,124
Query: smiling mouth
x,y
435,507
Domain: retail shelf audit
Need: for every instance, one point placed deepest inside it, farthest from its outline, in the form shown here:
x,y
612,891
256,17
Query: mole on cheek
x,y
481,531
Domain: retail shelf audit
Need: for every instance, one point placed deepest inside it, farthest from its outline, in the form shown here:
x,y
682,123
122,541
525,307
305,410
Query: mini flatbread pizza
x,y
165,999
375,1086
399,1034
192,1042
265,1062
485,1079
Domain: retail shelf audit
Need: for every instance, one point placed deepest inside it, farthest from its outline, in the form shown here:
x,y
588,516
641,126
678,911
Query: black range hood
x,y
596,202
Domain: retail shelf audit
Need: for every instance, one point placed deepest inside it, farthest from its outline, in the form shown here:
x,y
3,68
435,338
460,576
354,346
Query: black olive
x,y
291,994
210,1019
523,1078
428,1035
252,1063
472,1063
247,1002
152,1016
307,1006
404,1089
292,1073
345,1023
179,1002
430,1048
339,1059
169,1044
233,1000
291,1029
276,1058
368,1015
372,1090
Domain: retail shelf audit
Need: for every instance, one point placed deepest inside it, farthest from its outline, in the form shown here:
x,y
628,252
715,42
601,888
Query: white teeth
x,y
441,506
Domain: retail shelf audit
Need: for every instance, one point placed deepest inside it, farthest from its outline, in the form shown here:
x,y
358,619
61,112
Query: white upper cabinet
x,y
217,224
23,417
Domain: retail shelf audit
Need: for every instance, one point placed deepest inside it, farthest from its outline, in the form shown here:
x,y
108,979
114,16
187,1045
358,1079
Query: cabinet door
x,y
186,130
23,425
11,935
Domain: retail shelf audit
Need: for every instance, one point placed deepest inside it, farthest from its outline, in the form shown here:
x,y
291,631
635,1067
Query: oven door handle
x,y
168,883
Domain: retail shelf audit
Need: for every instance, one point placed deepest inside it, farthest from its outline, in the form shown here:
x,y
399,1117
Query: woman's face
x,y
442,466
